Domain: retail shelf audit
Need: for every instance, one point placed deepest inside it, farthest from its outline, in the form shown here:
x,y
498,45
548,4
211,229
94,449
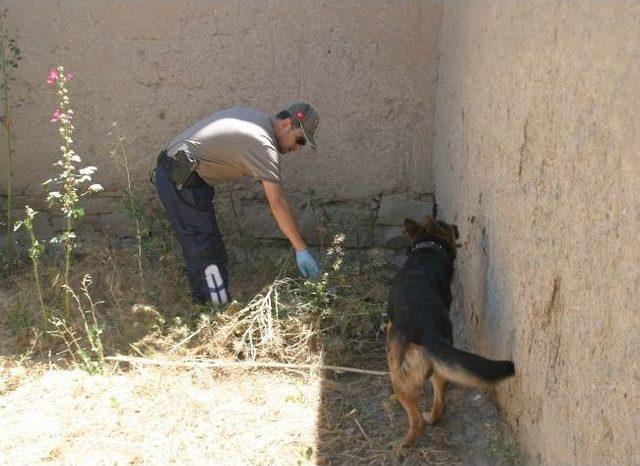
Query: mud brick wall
x,y
537,160
156,67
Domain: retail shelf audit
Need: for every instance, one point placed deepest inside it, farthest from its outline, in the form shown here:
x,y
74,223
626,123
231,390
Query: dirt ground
x,y
360,422
149,415
157,415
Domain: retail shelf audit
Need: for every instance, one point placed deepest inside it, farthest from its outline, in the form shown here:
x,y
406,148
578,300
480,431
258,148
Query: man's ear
x,y
412,229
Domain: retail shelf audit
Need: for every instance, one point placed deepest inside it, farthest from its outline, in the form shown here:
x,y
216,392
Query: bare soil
x,y
149,415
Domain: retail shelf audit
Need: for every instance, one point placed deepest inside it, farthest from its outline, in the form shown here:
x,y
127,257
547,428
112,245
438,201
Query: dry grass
x,y
156,416
149,415
145,415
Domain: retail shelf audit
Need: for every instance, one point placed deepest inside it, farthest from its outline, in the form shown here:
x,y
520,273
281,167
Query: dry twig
x,y
239,364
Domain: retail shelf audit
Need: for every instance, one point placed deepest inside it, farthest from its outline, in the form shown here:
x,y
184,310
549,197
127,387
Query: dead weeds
x,y
147,415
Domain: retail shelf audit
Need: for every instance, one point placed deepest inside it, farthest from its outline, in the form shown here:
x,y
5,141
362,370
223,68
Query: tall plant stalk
x,y
35,251
70,180
10,54
94,361
131,202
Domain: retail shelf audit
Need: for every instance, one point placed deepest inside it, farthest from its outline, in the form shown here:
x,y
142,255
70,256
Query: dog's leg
x,y
407,384
408,393
439,389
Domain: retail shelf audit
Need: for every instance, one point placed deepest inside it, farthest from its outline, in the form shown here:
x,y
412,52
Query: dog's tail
x,y
466,368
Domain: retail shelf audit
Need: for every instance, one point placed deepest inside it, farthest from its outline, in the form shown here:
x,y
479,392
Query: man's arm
x,y
283,214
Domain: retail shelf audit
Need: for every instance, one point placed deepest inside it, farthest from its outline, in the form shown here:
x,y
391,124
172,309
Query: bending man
x,y
223,147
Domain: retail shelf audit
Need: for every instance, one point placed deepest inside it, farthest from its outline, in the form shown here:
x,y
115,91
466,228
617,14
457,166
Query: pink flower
x,y
53,76
69,76
56,116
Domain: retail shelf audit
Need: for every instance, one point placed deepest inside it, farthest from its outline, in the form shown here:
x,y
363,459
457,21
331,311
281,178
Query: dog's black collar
x,y
427,245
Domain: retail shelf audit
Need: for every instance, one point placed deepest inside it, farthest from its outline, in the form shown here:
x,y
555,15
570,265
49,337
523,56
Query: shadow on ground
x,y
359,421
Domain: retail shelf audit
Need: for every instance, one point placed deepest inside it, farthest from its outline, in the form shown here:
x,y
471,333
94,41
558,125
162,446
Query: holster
x,y
181,169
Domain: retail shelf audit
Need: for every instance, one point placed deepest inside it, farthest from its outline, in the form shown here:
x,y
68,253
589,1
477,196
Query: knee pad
x,y
217,285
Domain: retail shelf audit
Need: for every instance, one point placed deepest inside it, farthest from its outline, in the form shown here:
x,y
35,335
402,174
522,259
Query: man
x,y
225,146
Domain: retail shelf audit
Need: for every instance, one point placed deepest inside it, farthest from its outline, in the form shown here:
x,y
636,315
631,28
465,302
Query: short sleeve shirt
x,y
231,144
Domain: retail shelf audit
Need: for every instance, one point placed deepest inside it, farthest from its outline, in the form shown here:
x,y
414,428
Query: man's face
x,y
290,138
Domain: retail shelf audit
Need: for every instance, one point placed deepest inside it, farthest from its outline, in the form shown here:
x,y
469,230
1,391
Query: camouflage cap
x,y
305,116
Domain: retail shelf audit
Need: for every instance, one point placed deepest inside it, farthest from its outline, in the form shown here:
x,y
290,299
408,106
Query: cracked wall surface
x,y
537,161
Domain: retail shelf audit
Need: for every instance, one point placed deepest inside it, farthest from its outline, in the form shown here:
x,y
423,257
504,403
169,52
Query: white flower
x,y
75,158
95,188
88,170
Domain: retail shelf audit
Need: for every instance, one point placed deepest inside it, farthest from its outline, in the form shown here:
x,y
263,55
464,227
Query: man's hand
x,y
307,265
283,214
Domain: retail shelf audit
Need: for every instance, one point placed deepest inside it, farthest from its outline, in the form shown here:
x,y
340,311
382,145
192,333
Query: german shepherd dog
x,y
419,334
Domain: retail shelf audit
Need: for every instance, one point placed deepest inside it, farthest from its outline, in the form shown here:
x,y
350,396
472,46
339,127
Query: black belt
x,y
169,164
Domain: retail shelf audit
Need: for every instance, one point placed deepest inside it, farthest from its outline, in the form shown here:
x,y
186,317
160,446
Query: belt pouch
x,y
183,169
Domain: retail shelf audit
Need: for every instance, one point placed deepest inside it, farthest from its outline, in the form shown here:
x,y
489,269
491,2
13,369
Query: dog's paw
x,y
400,451
429,418
402,447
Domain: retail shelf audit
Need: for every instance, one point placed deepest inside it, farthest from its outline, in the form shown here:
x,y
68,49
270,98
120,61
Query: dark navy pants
x,y
190,211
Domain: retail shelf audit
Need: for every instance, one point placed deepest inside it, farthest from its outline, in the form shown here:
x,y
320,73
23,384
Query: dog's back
x,y
420,295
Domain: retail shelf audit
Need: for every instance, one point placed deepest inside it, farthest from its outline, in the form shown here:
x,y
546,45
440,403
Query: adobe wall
x,y
537,161
156,67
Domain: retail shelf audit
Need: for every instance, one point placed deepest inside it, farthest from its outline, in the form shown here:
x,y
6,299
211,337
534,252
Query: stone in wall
x,y
116,223
317,226
394,208
354,218
19,204
351,218
102,204
57,223
392,237
256,221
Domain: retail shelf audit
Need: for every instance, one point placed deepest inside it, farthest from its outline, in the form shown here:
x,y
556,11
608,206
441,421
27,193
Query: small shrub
x,y
84,344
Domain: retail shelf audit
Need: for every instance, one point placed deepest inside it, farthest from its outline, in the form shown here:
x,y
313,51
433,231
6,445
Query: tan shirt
x,y
231,144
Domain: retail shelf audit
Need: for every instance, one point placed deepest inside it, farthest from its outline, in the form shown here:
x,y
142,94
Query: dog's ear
x,y
431,225
412,229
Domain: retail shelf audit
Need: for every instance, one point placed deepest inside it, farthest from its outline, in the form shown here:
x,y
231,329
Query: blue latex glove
x,y
307,265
